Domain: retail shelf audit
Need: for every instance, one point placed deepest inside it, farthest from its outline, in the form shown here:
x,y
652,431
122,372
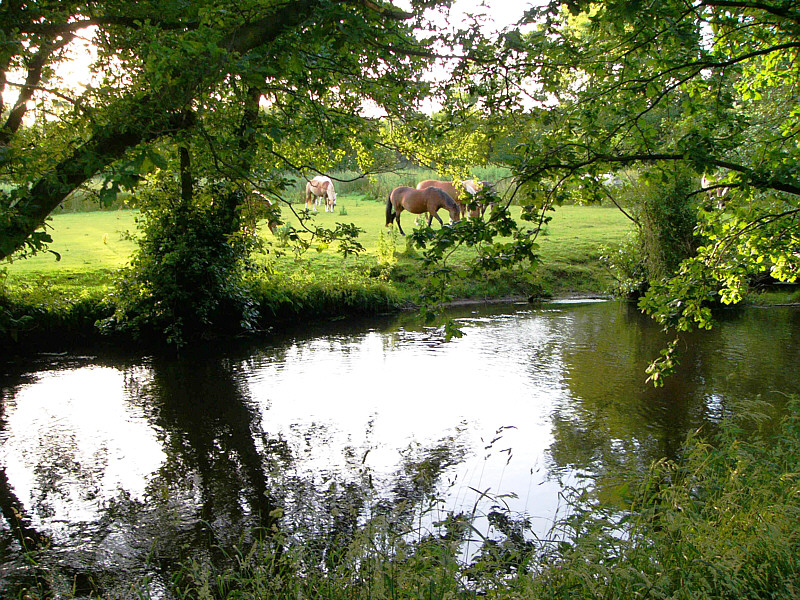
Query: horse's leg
x,y
397,219
438,218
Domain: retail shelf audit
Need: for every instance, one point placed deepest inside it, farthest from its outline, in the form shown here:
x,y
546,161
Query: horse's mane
x,y
448,199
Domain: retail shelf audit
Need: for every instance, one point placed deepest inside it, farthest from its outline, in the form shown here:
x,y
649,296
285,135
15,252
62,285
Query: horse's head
x,y
329,191
450,205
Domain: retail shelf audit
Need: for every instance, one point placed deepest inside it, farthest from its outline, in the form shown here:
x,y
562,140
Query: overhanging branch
x,y
627,159
161,112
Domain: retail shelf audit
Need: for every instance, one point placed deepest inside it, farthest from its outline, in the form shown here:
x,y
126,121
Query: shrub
x,y
189,274
719,523
663,206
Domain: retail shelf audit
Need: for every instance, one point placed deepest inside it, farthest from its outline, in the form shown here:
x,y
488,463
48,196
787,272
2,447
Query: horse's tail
x,y
389,210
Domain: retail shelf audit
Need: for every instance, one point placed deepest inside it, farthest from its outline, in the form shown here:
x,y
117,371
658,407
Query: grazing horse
x,y
321,187
714,191
470,186
429,200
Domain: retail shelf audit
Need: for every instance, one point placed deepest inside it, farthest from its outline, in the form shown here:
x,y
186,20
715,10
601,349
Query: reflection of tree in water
x,y
212,486
420,474
224,473
612,418
20,534
325,517
616,422
224,476
210,489
220,483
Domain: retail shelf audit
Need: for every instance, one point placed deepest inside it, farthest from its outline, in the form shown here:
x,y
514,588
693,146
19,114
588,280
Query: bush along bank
x,y
28,321
50,312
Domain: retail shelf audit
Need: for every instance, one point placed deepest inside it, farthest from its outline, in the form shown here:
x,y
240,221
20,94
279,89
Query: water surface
x,y
128,463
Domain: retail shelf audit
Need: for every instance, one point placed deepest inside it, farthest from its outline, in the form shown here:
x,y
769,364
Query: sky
x,y
500,12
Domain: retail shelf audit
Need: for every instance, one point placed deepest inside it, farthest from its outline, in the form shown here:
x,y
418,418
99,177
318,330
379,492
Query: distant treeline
x,y
373,187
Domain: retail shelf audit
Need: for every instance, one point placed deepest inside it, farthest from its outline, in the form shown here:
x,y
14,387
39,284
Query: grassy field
x,y
93,245
85,242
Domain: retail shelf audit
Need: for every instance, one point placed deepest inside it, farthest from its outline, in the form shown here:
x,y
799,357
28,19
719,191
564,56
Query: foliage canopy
x,y
195,75
707,86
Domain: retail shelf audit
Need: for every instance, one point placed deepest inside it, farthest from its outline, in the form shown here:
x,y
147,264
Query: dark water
x,y
115,468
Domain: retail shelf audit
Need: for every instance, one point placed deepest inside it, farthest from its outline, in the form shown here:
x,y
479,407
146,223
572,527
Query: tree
x,y
171,70
707,86
225,97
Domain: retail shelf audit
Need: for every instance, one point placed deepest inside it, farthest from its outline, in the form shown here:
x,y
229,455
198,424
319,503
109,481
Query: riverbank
x,y
44,301
49,303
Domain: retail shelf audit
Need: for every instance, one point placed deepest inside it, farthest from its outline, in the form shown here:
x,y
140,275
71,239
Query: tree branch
x,y
626,159
390,12
161,112
55,29
34,76
784,13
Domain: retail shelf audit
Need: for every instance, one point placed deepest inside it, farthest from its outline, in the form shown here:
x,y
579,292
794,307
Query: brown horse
x,y
467,187
320,187
429,200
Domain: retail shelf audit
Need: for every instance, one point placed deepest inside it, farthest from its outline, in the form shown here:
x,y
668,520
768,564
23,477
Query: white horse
x,y
321,187
714,191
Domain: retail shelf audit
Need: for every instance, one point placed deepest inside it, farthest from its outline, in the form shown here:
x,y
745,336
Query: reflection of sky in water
x,y
384,392
72,440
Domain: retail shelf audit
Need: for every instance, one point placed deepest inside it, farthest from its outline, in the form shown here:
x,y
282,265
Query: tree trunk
x,y
84,162
159,118
186,176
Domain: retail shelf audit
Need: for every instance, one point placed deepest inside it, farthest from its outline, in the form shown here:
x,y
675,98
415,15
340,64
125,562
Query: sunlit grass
x,y
93,241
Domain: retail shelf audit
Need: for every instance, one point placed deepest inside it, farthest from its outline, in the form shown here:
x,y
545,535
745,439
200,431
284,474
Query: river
x,y
115,467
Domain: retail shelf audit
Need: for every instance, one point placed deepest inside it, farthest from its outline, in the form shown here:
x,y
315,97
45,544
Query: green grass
x,y
68,296
93,245
85,242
